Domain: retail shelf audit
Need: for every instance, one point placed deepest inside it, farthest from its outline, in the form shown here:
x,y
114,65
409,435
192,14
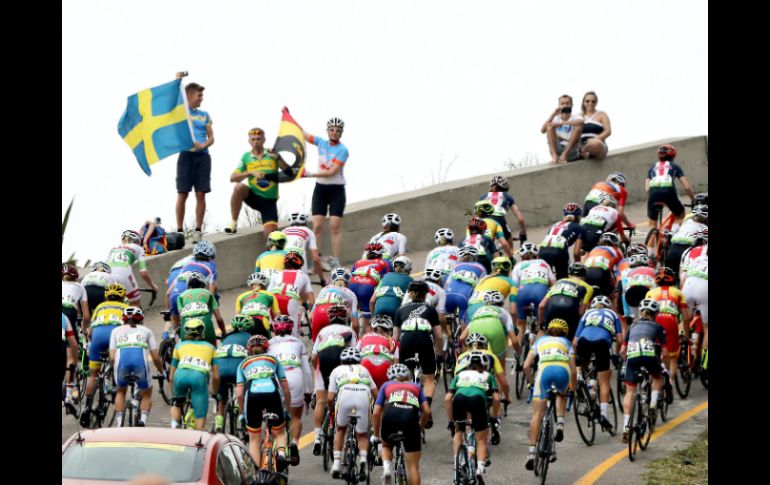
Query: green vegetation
x,y
685,467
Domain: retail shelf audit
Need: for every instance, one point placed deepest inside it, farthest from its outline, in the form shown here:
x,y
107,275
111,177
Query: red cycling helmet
x,y
667,151
665,276
282,324
294,259
258,341
69,270
375,248
572,209
478,225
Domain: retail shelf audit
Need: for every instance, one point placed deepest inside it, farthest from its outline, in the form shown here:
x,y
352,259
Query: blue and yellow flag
x,y
290,144
155,124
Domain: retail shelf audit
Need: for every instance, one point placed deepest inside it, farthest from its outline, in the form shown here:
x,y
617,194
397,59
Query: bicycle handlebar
x,y
150,290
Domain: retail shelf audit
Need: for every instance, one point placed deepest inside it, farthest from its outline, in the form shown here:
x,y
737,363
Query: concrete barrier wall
x,y
540,193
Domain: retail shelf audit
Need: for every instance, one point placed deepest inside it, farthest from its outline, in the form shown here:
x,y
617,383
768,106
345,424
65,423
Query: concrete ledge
x,y
540,192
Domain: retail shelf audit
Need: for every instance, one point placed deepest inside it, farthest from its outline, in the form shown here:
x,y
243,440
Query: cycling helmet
x,y
293,258
404,262
469,251
493,297
650,305
503,263
101,266
398,371
276,238
638,260
204,248
701,199
338,314
701,236
433,275
444,233
701,211
572,209
666,151
577,269
477,225
297,218
132,236
479,357
391,220
618,178
350,355
341,273
478,339
501,182
382,321
484,207
601,301
259,279
608,199
637,248
258,340
282,324
418,286
70,270
194,328
665,276
374,249
559,324
609,238
196,276
242,322
133,313
335,122
115,289
527,248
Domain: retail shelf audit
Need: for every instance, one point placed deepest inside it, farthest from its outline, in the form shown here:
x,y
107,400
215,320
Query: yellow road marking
x,y
594,474
306,440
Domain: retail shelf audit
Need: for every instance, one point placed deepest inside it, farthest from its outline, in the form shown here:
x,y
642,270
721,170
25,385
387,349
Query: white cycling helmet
x,y
403,261
391,219
258,278
297,218
601,301
443,233
334,121
350,355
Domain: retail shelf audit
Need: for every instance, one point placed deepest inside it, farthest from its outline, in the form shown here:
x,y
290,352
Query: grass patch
x,y
685,467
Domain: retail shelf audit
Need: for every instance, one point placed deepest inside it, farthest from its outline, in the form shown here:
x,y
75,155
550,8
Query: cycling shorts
x,y
670,324
197,383
587,347
532,293
419,342
320,319
669,198
633,365
696,292
476,406
130,361
564,307
601,278
457,301
404,418
100,343
328,360
555,374
256,402
349,397
364,293
328,199
557,258
387,305
95,296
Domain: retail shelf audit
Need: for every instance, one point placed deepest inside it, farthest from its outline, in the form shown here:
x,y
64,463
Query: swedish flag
x,y
155,124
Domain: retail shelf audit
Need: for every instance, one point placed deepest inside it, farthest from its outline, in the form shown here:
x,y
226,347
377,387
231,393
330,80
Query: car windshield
x,y
124,461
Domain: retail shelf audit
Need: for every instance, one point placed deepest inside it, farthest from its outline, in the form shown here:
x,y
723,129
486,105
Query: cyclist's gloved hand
x,y
374,440
217,397
522,236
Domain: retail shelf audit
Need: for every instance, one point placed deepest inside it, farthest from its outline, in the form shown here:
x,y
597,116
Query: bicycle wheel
x,y
612,416
663,406
166,351
683,378
400,475
584,409
545,460
326,444
621,386
449,370
461,465
646,425
521,379
633,432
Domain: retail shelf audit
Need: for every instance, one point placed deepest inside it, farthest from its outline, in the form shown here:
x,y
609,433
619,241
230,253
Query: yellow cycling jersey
x,y
462,362
108,313
500,283
194,355
589,289
270,260
494,230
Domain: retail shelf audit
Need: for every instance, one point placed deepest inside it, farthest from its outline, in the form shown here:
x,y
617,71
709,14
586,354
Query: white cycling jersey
x,y
601,216
120,259
291,352
393,243
300,239
532,271
140,337
338,294
686,232
443,257
353,385
98,278
73,292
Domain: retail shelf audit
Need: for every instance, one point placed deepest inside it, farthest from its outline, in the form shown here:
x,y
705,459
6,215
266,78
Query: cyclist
x,y
202,263
291,353
532,278
130,345
445,256
484,210
477,238
337,293
642,346
672,309
499,280
601,261
301,239
191,366
389,293
74,299
699,199
495,323
598,328
418,331
393,242
660,187
327,348
685,237
196,302
502,201
366,275
636,283
291,287
107,317
554,249
401,406
614,185
228,357
378,349
96,281
468,394
694,274
70,348
122,257
356,391
567,299
258,303
556,368
262,386
461,281
436,296
602,219
270,262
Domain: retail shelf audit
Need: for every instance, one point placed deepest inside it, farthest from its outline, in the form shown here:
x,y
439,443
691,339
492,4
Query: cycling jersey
x,y
270,262
292,283
98,278
436,297
258,304
662,174
73,294
603,257
642,338
459,285
495,282
198,303
176,268
267,163
390,292
686,233
502,201
195,355
416,321
300,239
562,235
120,259
606,187
403,393
636,283
393,244
572,287
330,154
109,313
602,218
599,324
132,346
530,272
378,353
695,263
206,268
369,271
670,300
193,360
354,386
229,355
329,296
442,258
473,383
261,374
494,230
553,351
483,243
334,335
291,353
494,323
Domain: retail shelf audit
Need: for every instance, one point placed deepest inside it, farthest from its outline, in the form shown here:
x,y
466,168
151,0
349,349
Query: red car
x,y
108,455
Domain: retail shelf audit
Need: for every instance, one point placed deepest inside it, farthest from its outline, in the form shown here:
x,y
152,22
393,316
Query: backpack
x,y
157,243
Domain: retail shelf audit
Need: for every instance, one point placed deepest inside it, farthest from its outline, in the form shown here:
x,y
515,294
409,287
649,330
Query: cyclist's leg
x,y
199,397
413,467
252,412
181,386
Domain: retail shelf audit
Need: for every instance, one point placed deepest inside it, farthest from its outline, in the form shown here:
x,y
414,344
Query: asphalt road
x,y
575,459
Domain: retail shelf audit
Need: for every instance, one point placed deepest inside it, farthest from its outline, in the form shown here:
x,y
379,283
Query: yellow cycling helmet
x,y
559,324
115,289
194,327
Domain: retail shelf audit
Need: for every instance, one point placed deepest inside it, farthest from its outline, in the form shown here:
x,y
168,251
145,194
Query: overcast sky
x,y
416,82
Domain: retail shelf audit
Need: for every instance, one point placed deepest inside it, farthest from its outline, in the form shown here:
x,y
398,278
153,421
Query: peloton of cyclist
x,y
258,303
